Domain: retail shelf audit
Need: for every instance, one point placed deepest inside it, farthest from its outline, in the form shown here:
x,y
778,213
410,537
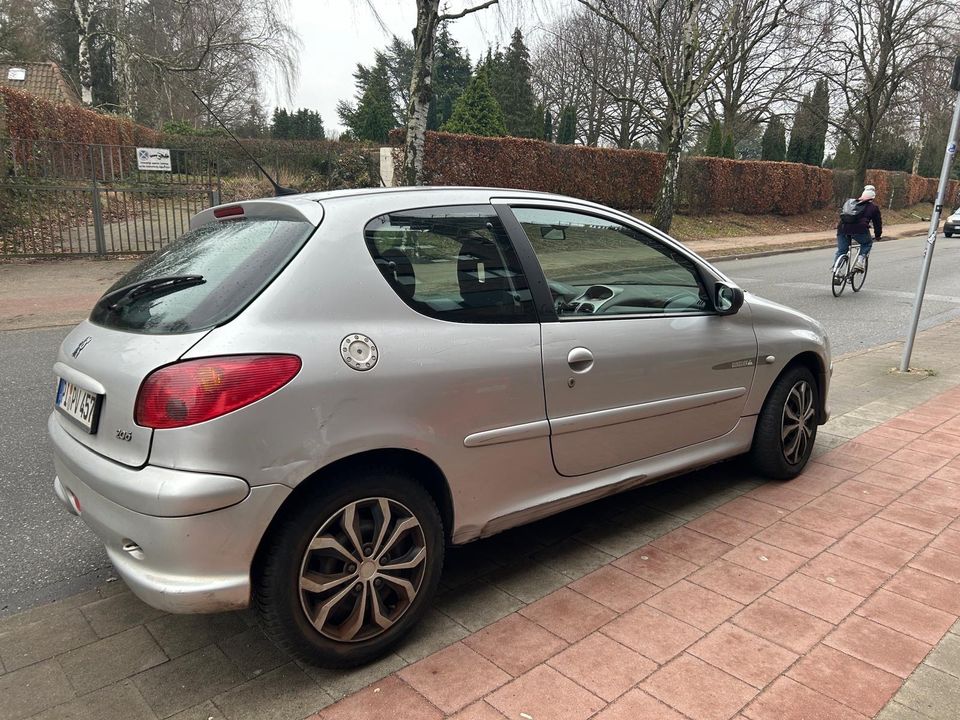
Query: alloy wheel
x,y
799,423
363,569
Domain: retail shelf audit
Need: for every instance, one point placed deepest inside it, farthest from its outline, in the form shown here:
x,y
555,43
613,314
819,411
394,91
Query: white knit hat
x,y
868,193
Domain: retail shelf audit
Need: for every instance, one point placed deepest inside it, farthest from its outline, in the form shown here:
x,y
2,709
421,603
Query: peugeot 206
x,y
304,400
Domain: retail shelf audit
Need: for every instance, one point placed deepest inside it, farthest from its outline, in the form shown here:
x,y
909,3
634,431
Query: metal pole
x,y
932,234
97,210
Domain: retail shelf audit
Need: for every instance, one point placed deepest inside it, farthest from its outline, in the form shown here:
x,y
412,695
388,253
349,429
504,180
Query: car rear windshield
x,y
203,279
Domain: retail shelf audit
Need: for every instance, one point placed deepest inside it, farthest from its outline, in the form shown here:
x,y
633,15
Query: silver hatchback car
x,y
303,400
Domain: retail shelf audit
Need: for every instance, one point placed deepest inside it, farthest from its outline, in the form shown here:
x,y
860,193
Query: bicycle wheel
x,y
856,281
840,275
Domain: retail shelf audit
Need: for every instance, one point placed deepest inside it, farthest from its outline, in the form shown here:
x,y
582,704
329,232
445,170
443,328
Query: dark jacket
x,y
871,213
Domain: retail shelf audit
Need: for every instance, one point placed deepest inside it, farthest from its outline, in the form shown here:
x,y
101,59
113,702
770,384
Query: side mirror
x,y
727,299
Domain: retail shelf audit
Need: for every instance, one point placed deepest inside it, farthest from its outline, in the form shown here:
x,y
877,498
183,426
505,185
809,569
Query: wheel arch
x,y
419,467
815,364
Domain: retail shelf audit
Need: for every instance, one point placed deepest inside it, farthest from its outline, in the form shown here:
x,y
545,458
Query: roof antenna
x,y
278,190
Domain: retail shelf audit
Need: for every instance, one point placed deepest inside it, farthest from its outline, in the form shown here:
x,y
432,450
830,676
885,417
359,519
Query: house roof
x,y
39,78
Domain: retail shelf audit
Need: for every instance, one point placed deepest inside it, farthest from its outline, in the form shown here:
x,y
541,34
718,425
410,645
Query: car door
x,y
636,361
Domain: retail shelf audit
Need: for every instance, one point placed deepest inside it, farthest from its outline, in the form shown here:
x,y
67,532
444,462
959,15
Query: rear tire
x,y
787,425
856,282
347,572
839,280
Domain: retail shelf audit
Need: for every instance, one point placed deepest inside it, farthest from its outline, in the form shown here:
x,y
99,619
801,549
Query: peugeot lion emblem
x,y
81,346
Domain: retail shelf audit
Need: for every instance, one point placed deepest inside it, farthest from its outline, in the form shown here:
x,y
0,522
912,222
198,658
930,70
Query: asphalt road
x,y
881,311
47,553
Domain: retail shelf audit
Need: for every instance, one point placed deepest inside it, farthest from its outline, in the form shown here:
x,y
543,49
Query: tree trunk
x,y
666,195
863,156
83,17
918,153
421,90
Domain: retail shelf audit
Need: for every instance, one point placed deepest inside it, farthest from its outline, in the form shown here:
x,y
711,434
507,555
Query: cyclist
x,y
857,227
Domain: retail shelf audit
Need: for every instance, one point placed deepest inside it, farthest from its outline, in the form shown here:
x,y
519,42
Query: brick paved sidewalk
x,y
809,599
104,655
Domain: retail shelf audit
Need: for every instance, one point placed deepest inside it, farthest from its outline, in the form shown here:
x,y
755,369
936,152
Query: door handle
x,y
580,359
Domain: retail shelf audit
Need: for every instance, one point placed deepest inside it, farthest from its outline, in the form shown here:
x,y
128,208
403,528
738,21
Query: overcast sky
x,y
338,34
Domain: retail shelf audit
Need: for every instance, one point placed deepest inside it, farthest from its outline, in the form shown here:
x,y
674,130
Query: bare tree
x,y
429,19
591,64
221,44
685,46
84,14
880,44
559,75
764,68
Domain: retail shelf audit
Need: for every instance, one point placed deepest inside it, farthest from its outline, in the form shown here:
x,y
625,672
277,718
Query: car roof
x,y
425,190
310,205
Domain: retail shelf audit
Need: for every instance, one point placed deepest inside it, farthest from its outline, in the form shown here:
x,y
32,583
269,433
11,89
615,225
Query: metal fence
x,y
84,199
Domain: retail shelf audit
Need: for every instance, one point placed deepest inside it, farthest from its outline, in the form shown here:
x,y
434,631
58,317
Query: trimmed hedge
x,y
714,185
619,178
28,117
629,179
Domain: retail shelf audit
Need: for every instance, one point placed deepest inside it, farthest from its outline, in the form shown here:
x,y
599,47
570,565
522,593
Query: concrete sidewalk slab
x,y
752,593
54,292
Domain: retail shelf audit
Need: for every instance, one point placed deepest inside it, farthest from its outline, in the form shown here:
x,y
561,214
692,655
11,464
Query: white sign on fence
x,y
153,159
16,73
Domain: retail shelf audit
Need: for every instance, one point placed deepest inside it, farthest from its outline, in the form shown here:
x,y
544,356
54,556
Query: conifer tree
x,y
715,141
567,132
819,115
451,73
729,148
773,145
510,81
280,124
376,113
477,111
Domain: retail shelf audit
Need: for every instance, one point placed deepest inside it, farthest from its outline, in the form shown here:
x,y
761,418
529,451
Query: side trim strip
x,y
512,433
629,413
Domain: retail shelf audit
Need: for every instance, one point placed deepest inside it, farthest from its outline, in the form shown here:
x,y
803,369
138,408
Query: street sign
x,y
154,159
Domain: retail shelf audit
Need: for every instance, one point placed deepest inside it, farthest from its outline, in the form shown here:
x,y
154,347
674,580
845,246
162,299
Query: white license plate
x,y
81,406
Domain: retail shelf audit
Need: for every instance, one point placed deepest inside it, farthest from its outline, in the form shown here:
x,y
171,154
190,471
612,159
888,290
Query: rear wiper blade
x,y
154,287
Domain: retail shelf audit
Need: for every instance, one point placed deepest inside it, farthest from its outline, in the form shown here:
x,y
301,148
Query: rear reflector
x,y
194,391
228,211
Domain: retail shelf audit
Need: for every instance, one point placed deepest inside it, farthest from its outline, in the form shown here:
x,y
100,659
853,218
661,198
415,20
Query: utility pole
x,y
948,156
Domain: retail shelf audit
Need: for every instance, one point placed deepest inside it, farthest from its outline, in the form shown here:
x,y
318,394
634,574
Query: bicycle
x,y
845,270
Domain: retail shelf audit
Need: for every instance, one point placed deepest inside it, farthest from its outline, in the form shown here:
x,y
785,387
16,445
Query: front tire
x,y
840,272
347,572
859,276
787,425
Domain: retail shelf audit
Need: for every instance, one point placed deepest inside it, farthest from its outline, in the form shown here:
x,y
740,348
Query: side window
x,y
451,263
598,267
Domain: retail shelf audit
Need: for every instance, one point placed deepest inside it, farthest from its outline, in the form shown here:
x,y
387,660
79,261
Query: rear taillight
x,y
193,391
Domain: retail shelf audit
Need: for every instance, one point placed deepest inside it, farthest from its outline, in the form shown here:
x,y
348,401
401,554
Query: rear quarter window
x,y
236,259
451,263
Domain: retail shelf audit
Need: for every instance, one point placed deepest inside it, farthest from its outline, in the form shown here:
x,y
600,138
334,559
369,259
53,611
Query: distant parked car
x,y
952,224
303,400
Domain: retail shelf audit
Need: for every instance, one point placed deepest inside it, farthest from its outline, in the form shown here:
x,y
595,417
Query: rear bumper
x,y
186,564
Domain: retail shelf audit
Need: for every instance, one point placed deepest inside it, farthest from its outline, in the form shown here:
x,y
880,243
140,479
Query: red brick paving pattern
x,y
810,599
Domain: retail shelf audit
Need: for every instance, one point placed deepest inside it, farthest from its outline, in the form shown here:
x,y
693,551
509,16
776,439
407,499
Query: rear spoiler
x,y
291,207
